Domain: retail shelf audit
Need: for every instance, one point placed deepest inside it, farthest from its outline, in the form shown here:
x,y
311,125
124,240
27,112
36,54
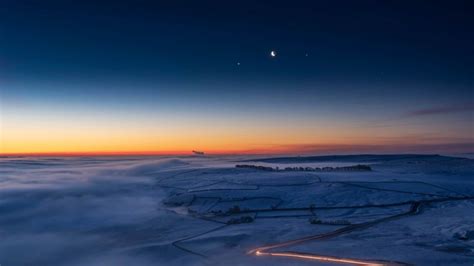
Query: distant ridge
x,y
347,158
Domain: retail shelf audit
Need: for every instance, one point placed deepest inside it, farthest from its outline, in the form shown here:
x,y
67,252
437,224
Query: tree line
x,y
358,167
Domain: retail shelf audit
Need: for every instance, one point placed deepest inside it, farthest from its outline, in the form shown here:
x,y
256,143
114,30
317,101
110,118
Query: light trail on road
x,y
261,251
320,258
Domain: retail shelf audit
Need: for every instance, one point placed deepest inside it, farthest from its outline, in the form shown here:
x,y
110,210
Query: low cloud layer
x,y
76,211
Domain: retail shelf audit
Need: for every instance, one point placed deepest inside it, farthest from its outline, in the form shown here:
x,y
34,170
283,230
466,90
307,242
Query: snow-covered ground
x,y
203,211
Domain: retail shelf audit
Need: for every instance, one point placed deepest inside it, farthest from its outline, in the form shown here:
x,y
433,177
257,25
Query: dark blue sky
x,y
360,62
352,40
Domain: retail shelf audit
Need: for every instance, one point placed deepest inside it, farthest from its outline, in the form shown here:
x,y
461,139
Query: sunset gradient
x,y
169,78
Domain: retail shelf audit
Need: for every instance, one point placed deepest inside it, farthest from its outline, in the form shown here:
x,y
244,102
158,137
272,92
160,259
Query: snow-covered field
x,y
203,211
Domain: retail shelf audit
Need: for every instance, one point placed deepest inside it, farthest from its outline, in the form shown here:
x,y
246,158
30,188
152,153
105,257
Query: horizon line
x,y
124,154
283,150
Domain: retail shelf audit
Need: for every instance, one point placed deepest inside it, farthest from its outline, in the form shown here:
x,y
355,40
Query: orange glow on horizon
x,y
131,153
53,135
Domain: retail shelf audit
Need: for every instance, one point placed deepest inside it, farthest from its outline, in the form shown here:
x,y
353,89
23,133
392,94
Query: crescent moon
x,y
272,53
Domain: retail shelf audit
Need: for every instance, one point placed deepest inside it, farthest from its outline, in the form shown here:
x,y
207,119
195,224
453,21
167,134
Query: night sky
x,y
173,76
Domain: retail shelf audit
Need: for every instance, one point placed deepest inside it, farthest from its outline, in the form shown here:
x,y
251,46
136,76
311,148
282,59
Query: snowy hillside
x,y
410,209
